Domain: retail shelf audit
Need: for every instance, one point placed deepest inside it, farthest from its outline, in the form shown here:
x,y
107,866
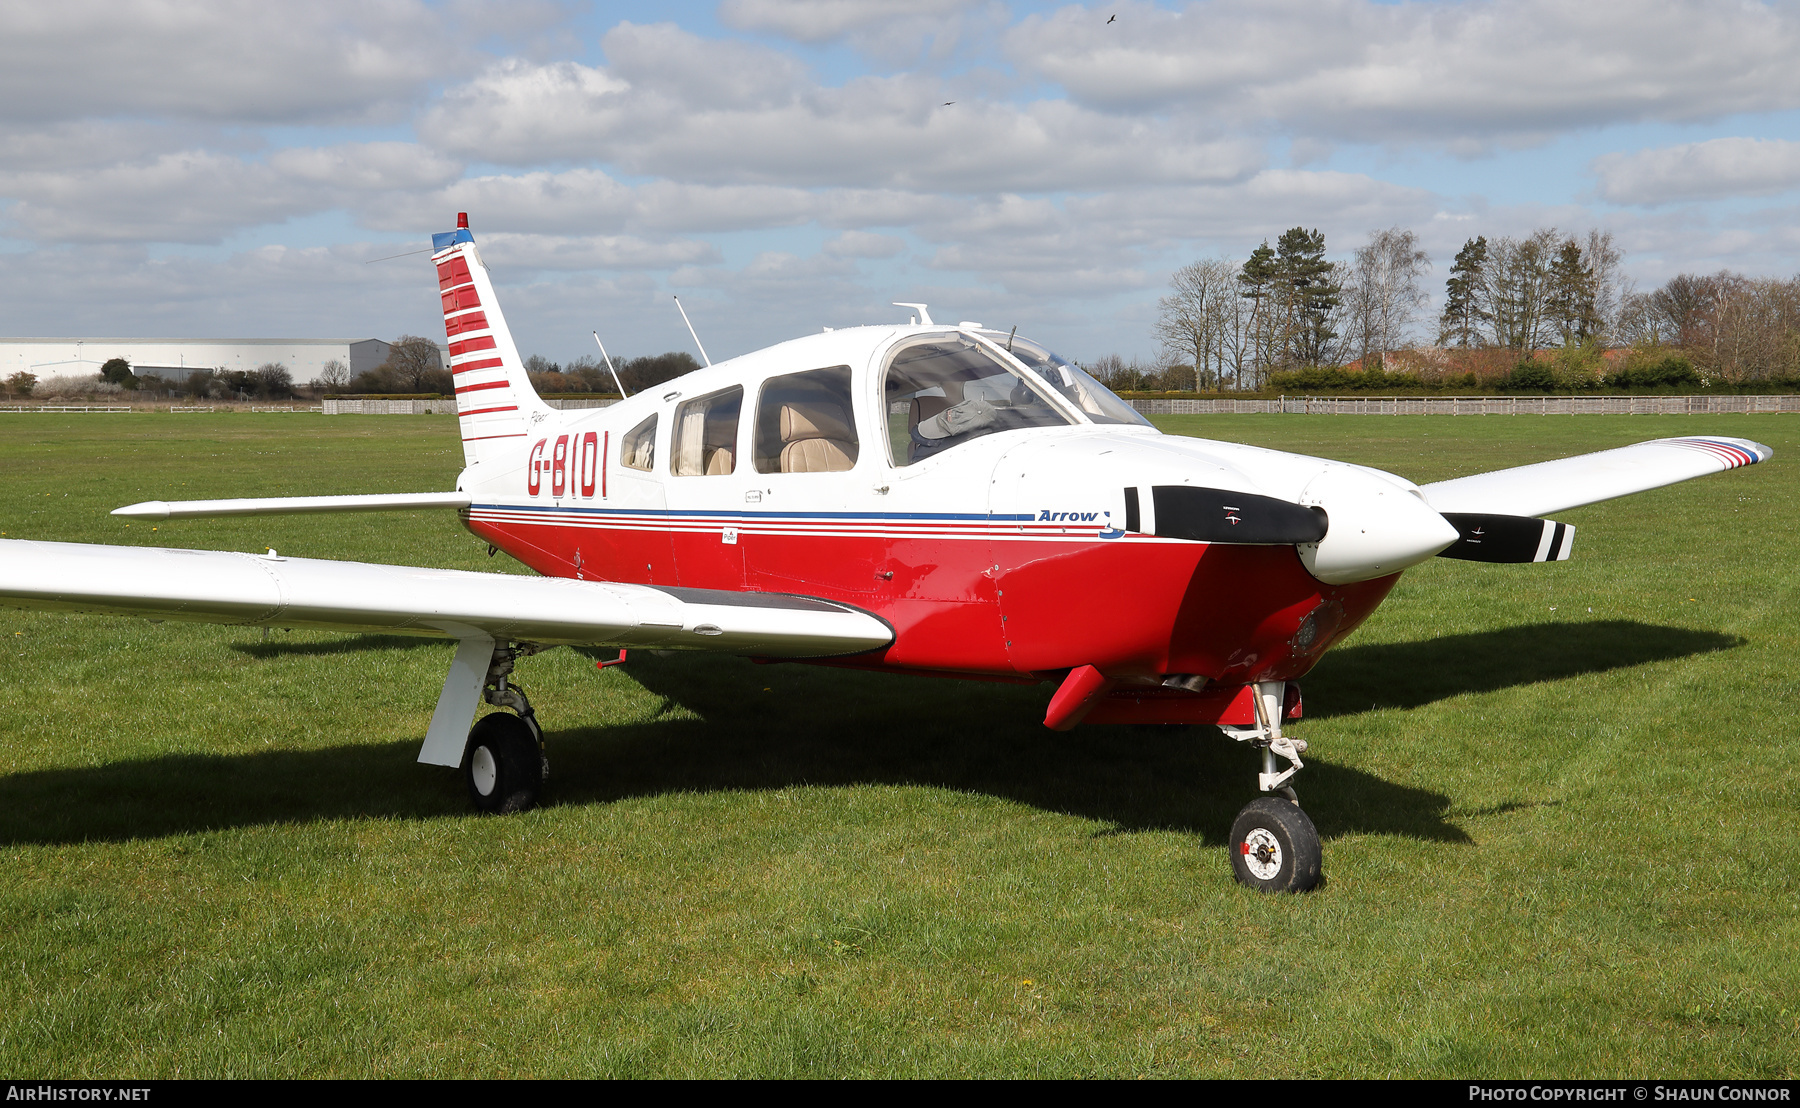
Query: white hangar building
x,y
176,358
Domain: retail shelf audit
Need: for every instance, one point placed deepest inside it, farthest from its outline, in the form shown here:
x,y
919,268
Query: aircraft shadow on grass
x,y
781,726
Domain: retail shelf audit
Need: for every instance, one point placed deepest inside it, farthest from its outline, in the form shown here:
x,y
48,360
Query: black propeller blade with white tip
x,y
1510,539
1221,515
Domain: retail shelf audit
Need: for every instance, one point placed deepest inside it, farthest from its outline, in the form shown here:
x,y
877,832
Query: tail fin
x,y
495,402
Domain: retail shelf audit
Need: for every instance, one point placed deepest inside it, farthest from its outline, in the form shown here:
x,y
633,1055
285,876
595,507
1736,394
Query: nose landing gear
x,y
1274,846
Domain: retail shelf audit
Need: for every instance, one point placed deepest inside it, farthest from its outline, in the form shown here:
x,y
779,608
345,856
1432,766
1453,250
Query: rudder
x,y
495,402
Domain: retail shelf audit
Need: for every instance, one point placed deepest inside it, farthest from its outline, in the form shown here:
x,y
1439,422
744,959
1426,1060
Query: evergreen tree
x,y
1573,292
1311,290
1464,310
118,371
1257,284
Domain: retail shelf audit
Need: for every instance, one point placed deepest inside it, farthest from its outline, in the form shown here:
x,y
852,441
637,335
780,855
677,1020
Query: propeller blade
x,y
1220,515
1487,538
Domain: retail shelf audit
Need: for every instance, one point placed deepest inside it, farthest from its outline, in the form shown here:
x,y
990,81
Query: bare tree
x,y
1382,293
1517,288
415,365
1192,323
333,376
1602,258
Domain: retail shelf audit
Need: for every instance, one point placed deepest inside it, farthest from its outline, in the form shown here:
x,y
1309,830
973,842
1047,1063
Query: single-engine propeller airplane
x,y
912,498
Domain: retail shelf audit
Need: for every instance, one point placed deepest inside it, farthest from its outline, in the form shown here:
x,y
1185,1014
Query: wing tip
x,y
149,509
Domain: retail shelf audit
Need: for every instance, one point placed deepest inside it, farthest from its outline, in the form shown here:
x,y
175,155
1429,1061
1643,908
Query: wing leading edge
x,y
269,590
1537,490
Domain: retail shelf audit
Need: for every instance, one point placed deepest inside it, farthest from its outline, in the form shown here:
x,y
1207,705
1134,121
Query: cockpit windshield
x,y
945,390
1098,402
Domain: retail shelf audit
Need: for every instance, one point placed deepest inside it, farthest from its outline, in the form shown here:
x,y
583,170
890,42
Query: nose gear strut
x,y
1274,846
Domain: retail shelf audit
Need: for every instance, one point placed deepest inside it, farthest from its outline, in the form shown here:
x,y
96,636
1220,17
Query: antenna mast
x,y
690,327
609,366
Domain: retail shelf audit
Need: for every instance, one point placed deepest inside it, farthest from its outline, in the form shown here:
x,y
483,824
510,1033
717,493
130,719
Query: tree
x,y
1570,301
118,371
1310,291
641,373
333,376
1465,297
20,384
1262,331
1518,287
1382,294
1602,259
271,381
414,365
1192,323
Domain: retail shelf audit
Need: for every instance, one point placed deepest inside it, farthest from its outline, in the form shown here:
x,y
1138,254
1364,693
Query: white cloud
x,y
191,197
1463,75
362,167
864,244
571,252
824,20
1709,170
676,105
221,60
202,196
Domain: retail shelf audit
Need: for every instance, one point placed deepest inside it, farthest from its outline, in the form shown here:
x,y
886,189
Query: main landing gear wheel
x,y
1274,847
503,764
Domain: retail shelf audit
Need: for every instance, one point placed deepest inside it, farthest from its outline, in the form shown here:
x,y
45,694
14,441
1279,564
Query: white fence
x,y
1475,405
64,408
435,407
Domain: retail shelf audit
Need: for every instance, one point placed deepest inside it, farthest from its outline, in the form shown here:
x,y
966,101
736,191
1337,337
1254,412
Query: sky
x,y
172,168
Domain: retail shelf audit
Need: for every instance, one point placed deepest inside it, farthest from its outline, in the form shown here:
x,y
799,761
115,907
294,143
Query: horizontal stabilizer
x,y
209,586
1486,538
284,505
1220,515
1549,487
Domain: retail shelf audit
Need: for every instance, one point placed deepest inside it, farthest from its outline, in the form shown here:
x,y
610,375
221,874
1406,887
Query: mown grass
x,y
1558,804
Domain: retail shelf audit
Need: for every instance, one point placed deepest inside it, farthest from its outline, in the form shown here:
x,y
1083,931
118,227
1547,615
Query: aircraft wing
x,y
287,505
1538,490
208,586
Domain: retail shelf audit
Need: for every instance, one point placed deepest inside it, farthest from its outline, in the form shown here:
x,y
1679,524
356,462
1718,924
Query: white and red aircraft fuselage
x,y
917,498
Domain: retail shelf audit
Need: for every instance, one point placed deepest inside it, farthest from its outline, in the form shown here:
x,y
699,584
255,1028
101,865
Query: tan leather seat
x,y
817,437
721,461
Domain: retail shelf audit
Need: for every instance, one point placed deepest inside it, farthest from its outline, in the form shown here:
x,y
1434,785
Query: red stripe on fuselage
x,y
1231,613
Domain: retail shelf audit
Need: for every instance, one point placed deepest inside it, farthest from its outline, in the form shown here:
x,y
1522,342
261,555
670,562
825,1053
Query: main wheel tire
x,y
1274,847
502,765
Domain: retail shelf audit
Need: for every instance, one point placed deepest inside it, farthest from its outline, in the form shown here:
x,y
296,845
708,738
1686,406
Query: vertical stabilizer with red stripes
x,y
495,402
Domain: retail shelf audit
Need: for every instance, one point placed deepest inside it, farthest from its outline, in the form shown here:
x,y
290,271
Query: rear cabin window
x,y
803,423
637,450
944,390
705,442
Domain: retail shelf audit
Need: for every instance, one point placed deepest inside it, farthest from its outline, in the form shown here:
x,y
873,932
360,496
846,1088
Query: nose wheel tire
x,y
503,764
1274,847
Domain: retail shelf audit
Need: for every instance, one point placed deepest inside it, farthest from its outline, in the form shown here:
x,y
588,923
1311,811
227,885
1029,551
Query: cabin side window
x,y
803,423
945,390
706,427
637,450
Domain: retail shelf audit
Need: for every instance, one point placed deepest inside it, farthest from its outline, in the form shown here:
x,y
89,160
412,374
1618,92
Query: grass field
x,y
1558,805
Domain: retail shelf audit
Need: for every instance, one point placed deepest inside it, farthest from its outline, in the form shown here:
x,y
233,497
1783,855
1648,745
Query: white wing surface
x,y
285,505
224,587
1538,490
